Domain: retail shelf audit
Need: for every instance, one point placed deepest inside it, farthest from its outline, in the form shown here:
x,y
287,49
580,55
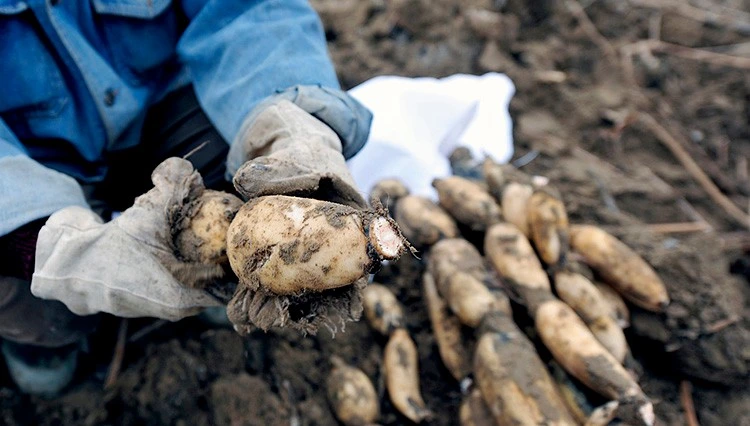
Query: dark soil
x,y
574,122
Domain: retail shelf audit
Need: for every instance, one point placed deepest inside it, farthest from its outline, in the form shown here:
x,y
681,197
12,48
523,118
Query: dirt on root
x,y
576,117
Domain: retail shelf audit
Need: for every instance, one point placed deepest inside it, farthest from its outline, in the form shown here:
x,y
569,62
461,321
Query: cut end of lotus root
x,y
636,410
386,238
646,412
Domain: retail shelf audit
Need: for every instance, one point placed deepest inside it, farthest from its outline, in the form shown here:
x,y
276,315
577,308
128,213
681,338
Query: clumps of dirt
x,y
335,216
705,330
403,37
244,400
171,380
722,407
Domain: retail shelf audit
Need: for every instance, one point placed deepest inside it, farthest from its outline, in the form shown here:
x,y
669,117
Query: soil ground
x,y
576,121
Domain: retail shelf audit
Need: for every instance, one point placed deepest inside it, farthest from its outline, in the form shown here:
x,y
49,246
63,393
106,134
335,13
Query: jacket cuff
x,y
29,191
342,113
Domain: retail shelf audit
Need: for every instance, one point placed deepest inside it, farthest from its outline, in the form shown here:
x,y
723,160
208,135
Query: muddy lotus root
x,y
423,222
302,263
584,297
468,202
446,327
401,368
203,238
576,349
387,192
620,267
351,394
199,231
514,382
548,225
383,311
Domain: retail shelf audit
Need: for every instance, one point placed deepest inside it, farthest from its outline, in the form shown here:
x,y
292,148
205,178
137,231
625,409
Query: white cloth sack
x,y
418,122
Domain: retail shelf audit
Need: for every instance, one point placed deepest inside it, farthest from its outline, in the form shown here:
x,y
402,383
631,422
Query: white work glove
x,y
287,151
126,267
284,150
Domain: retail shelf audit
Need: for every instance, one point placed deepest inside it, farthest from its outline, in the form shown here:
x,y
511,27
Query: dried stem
x,y
591,31
607,198
686,397
700,55
741,168
143,332
663,228
678,227
734,20
721,324
118,356
694,170
689,210
731,241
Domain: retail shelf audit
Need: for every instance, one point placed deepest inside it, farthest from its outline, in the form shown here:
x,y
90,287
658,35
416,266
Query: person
x,y
137,106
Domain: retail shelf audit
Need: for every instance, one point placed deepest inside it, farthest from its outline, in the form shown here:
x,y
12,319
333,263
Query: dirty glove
x,y
287,151
126,267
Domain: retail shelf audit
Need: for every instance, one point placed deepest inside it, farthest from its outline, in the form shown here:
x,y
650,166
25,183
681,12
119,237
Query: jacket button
x,y
54,2
109,97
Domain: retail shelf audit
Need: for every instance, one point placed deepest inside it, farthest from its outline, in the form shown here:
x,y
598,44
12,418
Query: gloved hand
x,y
289,152
126,267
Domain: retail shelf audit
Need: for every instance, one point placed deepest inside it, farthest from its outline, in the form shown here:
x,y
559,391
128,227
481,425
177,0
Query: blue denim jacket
x,y
78,75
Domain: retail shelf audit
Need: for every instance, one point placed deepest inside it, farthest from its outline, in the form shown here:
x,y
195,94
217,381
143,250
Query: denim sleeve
x,y
28,190
240,52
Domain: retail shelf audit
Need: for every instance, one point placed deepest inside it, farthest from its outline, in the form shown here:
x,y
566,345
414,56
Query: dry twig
x,y
741,169
118,356
550,76
700,55
731,241
719,174
591,31
663,228
689,210
607,198
734,20
678,227
694,170
721,324
686,398
143,332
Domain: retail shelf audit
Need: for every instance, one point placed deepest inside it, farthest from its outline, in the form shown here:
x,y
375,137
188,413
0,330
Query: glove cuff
x,y
342,113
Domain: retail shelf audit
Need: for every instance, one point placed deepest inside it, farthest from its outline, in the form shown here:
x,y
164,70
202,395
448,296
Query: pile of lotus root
x,y
303,263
